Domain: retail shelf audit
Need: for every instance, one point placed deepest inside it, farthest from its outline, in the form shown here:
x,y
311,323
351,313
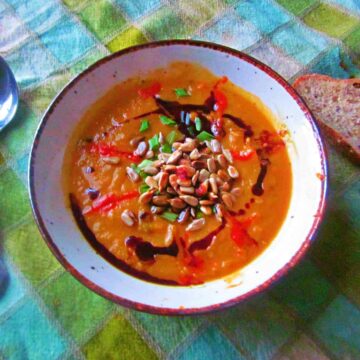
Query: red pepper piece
x,y
201,190
243,155
271,142
108,202
239,232
150,91
221,102
181,173
222,80
110,150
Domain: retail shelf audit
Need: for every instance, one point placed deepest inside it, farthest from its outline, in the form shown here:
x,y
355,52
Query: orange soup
x,y
178,177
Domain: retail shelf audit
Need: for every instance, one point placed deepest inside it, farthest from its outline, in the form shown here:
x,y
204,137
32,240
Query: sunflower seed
x,y
157,210
160,200
215,146
194,155
219,211
150,181
233,172
211,165
164,156
151,170
213,185
206,202
177,203
195,178
206,210
128,217
188,146
146,197
193,212
191,200
228,155
170,168
188,190
173,181
163,180
184,182
204,174
149,154
196,225
227,199
135,141
221,159
132,174
113,160
169,237
223,175
198,164
184,216
141,148
174,157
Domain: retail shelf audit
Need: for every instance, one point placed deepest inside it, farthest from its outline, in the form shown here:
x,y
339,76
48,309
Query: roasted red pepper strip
x,y
110,201
181,173
150,91
221,102
243,155
110,150
239,232
271,142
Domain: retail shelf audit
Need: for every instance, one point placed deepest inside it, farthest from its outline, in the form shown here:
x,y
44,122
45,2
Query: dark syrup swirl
x,y
144,250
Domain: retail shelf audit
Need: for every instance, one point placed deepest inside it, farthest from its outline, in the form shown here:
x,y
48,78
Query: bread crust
x,y
335,137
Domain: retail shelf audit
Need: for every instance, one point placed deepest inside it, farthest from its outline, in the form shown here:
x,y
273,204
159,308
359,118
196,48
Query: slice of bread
x,y
335,103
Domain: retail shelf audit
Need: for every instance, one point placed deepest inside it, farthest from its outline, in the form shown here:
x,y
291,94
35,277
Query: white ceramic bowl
x,y
73,251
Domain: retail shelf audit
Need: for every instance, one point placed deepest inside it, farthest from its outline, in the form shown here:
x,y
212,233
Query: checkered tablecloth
x,y
312,313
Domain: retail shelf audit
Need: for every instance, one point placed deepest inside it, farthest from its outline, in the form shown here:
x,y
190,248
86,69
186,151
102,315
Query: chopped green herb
x,y
166,148
171,137
144,125
143,174
144,163
143,188
169,216
198,124
154,142
213,208
199,214
167,121
191,130
135,168
180,92
204,135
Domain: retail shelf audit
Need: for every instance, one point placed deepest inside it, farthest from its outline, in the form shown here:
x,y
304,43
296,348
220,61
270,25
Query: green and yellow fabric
x,y
312,313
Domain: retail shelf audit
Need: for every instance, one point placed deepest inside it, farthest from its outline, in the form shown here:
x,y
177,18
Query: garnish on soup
x,y
179,177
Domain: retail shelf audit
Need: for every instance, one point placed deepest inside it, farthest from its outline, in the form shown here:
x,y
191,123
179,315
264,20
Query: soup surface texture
x,y
178,177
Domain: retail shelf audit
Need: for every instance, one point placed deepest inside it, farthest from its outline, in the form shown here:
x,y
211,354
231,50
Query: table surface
x,y
311,313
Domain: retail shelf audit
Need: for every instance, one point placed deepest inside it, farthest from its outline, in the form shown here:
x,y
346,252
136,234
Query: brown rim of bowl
x,y
180,311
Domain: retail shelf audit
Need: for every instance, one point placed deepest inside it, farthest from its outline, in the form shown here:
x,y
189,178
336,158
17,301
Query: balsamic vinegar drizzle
x,y
104,252
206,241
144,250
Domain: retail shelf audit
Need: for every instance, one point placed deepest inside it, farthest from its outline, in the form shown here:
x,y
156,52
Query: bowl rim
x,y
179,311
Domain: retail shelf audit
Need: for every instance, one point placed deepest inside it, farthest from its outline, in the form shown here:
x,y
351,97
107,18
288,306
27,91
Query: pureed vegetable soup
x,y
178,177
